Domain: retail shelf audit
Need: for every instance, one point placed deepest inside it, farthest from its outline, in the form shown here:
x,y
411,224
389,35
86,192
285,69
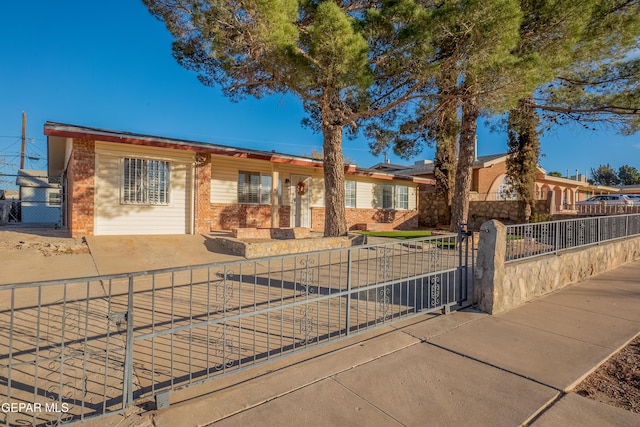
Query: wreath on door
x,y
302,188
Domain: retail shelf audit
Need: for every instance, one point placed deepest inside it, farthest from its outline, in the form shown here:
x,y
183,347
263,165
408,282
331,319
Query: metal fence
x,y
83,348
530,240
39,213
606,209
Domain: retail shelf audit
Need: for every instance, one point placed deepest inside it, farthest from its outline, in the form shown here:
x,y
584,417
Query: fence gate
x,y
63,350
84,348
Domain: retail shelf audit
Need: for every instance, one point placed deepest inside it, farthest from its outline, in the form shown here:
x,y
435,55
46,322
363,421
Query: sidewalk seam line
x,y
475,359
317,380
366,400
591,311
554,333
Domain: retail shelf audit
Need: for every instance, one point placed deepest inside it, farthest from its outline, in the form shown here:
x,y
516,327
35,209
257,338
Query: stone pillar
x,y
489,270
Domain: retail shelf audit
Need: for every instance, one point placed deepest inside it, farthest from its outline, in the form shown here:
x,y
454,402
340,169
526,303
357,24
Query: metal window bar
x,y
536,239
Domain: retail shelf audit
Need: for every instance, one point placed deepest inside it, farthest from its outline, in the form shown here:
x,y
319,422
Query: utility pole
x,y
24,139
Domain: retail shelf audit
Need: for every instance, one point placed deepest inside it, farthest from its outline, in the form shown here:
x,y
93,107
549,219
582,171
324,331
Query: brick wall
x,y
400,219
203,213
81,187
486,176
227,217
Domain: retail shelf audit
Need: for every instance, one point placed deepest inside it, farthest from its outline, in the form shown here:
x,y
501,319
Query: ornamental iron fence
x,y
88,347
530,240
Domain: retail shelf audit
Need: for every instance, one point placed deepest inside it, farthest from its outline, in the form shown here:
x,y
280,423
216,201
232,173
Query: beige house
x,y
123,183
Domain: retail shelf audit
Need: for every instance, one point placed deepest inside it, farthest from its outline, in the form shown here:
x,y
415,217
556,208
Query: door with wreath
x,y
301,201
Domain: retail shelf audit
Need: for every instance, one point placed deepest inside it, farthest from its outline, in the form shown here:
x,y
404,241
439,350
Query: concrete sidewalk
x,y
460,369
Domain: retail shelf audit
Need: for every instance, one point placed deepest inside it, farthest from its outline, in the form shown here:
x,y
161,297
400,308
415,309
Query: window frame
x,y
393,198
143,191
58,193
396,199
263,195
350,201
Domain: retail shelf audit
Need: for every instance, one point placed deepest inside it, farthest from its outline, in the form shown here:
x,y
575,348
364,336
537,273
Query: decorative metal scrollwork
x,y
306,276
223,290
435,259
569,235
384,300
385,263
581,233
223,348
435,293
307,325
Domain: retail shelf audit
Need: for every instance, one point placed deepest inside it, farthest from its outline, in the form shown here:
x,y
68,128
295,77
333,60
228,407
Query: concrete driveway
x,y
127,254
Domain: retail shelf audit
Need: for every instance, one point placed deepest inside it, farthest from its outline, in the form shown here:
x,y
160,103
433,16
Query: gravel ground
x,y
617,381
49,242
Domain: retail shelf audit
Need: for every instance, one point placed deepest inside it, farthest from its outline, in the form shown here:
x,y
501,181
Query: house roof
x,y
62,130
426,168
34,178
9,194
389,166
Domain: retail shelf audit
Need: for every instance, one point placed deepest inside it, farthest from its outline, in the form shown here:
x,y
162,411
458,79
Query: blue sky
x,y
109,65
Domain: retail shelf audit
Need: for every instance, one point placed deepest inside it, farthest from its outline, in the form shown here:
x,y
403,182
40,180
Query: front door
x,y
301,201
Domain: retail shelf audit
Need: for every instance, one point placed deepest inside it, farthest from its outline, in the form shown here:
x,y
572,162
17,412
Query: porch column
x,y
275,183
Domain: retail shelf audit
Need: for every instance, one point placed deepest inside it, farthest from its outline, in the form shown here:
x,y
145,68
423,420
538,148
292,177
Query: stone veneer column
x,y
489,269
202,217
81,187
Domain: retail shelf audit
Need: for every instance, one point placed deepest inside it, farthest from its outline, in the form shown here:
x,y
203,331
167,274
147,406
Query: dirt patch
x,y
48,242
617,381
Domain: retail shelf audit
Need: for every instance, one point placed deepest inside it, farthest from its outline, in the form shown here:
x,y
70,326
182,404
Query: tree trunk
x,y
464,171
335,218
524,149
446,129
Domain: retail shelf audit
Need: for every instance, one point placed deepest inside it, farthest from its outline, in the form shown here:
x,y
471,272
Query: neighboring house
x,y
629,189
40,197
489,181
125,183
9,194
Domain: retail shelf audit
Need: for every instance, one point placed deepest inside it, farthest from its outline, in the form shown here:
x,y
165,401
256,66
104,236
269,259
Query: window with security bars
x,y
146,182
254,188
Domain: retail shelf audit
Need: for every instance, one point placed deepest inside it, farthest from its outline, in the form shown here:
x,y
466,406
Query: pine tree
x,y
346,61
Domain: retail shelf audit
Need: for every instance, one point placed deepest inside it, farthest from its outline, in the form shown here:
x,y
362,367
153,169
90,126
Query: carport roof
x,y
62,130
34,178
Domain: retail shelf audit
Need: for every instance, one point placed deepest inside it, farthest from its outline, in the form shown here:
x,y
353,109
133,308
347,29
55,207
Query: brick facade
x,y
400,219
203,212
487,176
81,188
227,217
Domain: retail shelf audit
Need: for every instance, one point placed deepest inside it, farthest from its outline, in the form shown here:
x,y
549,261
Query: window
x,y
395,196
387,196
350,194
254,188
145,182
54,198
402,197
505,190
